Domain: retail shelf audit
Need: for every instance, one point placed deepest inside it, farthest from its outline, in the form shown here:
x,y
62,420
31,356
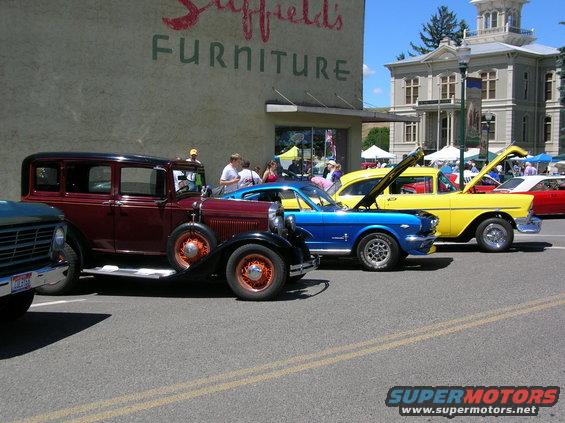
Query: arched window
x,y
547,129
410,132
411,86
490,128
489,85
509,18
549,86
494,19
487,20
447,84
525,128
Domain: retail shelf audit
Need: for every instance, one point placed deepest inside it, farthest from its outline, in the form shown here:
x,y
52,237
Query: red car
x,y
143,216
548,192
487,184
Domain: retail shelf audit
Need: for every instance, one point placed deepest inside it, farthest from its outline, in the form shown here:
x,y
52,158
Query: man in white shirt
x,y
247,176
230,177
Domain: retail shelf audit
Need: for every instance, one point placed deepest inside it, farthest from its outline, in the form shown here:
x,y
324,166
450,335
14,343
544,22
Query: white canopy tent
x,y
472,152
447,153
375,152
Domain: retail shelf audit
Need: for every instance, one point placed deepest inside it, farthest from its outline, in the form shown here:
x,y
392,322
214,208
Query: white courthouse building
x,y
520,86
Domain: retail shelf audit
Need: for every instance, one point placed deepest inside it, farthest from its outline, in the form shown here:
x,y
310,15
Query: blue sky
x,y
390,25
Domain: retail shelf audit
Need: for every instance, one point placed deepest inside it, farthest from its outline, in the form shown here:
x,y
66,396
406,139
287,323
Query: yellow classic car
x,y
463,215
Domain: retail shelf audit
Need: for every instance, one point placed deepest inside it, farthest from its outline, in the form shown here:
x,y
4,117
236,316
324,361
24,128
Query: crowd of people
x,y
238,173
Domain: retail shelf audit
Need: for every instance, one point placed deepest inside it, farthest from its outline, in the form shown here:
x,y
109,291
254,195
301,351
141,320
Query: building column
x,y
424,127
452,125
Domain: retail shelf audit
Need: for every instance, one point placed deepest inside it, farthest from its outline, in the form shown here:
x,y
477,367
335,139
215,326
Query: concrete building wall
x,y
98,75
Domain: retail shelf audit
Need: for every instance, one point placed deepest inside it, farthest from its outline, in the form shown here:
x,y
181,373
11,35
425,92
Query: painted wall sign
x,y
328,17
216,54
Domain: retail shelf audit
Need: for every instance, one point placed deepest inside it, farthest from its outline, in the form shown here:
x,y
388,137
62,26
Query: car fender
x,y
305,234
215,262
377,228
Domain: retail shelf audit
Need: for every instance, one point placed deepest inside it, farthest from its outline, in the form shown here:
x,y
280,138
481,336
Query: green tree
x,y
379,137
441,25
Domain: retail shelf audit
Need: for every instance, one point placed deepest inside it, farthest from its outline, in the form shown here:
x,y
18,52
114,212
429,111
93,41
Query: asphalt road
x,y
327,351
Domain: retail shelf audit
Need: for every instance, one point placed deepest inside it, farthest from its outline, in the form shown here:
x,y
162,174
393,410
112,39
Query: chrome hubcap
x,y
190,250
495,235
254,272
377,251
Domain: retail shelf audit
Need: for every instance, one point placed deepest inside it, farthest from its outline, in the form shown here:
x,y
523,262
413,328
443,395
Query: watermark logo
x,y
453,401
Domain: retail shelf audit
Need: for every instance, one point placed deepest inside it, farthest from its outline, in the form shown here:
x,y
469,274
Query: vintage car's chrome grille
x,y
25,244
226,228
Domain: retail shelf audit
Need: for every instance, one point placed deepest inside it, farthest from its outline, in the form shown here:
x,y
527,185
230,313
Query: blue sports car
x,y
379,238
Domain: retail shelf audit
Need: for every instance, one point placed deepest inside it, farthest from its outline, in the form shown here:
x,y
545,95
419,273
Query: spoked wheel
x,y
72,275
187,246
495,235
378,251
255,272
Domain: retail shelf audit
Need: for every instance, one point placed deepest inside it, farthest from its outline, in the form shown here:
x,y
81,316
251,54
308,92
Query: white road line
x,y
555,248
540,235
58,302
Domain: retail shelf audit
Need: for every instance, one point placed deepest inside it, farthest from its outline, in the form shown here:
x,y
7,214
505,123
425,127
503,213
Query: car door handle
x,y
106,203
391,199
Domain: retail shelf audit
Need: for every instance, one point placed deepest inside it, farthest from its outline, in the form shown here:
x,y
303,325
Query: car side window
x,y
46,177
542,186
361,187
88,178
287,197
412,185
142,181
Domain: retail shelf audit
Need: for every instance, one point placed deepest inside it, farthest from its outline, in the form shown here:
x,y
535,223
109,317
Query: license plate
x,y
21,282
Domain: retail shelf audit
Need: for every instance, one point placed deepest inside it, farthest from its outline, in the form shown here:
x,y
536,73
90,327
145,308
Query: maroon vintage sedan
x,y
141,216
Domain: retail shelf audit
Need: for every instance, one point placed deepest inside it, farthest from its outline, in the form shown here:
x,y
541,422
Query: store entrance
x,y
303,152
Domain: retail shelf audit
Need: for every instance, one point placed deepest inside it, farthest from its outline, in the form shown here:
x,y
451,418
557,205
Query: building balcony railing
x,y
443,104
499,30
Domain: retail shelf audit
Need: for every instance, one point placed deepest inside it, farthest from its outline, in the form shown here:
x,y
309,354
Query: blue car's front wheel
x,y
378,251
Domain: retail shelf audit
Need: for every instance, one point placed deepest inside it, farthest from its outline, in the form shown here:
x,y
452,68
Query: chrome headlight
x,y
434,222
290,223
59,238
276,218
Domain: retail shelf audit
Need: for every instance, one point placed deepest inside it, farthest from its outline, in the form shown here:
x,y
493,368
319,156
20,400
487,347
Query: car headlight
x,y
276,218
434,223
290,223
59,238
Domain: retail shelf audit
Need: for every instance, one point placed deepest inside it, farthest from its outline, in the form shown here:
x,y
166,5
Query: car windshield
x,y
510,184
334,188
444,184
318,196
188,180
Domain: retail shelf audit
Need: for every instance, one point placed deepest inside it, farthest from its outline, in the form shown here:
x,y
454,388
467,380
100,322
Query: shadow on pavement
x,y
36,330
130,287
525,247
212,288
303,289
409,264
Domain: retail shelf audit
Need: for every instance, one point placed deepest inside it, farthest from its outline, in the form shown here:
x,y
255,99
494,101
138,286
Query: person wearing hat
x,y
530,170
193,153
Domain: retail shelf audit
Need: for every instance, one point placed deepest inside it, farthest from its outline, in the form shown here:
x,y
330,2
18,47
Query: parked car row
x,y
122,210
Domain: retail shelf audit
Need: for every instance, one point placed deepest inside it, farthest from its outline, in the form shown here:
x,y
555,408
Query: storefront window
x,y
304,152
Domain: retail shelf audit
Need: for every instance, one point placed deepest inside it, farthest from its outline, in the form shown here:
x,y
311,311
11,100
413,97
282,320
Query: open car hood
x,y
509,152
389,178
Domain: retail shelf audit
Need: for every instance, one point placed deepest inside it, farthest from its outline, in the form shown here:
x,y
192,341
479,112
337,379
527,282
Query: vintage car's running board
x,y
132,273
